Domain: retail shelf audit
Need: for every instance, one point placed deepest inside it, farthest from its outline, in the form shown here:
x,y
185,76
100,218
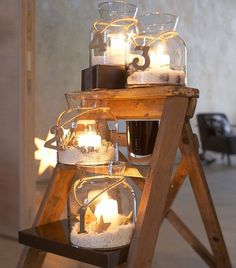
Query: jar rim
x,y
100,5
170,18
129,9
114,168
159,13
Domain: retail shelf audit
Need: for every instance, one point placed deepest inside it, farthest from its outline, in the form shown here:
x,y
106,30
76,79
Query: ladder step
x,y
54,238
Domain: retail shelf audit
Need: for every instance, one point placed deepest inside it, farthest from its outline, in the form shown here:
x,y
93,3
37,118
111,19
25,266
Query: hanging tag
x,y
146,64
97,42
58,132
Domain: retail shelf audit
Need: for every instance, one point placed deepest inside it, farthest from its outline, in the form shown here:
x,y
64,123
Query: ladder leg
x,y
176,183
152,206
50,210
200,188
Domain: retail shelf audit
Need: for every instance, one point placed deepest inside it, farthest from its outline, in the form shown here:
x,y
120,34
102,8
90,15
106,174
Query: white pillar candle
x,y
108,209
115,53
117,49
158,58
89,139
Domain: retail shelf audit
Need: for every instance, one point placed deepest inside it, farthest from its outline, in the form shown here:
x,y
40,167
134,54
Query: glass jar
x,y
101,207
110,36
157,55
85,135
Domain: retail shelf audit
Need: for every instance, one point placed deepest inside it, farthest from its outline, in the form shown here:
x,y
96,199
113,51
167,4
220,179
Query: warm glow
x,y
118,43
117,49
158,57
89,139
108,208
46,156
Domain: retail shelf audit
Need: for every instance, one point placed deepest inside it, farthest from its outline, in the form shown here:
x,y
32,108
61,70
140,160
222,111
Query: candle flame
x,y
46,156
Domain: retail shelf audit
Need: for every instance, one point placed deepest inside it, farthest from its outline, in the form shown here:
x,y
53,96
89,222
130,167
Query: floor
x,y
172,251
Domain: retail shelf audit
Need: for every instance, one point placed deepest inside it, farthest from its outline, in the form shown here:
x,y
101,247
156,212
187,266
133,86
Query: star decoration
x,y
101,226
46,156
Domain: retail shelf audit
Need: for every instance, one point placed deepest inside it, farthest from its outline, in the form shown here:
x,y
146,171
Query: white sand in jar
x,y
162,76
72,156
118,237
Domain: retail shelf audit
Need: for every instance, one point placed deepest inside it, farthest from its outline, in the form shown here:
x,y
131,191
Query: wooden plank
x,y
190,238
202,194
136,103
131,109
157,184
176,183
27,174
136,171
55,197
191,108
50,210
138,174
152,92
27,110
54,238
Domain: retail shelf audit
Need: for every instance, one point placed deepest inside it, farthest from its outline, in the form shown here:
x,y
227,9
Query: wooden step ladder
x,y
174,106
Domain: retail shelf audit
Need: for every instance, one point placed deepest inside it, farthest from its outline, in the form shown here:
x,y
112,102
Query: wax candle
x,y
158,58
115,52
89,139
108,209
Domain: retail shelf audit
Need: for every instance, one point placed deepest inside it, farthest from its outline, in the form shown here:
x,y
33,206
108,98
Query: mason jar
x,y
85,134
157,55
101,207
111,34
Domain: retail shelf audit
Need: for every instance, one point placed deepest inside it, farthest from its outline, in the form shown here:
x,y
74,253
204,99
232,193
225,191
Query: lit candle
x,y
108,209
89,139
115,53
117,49
158,58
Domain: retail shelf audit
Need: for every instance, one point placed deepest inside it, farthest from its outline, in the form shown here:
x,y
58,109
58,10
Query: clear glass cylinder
x,y
101,207
157,55
111,34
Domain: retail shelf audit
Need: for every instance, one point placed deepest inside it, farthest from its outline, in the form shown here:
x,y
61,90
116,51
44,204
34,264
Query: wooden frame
x,y
27,162
174,106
